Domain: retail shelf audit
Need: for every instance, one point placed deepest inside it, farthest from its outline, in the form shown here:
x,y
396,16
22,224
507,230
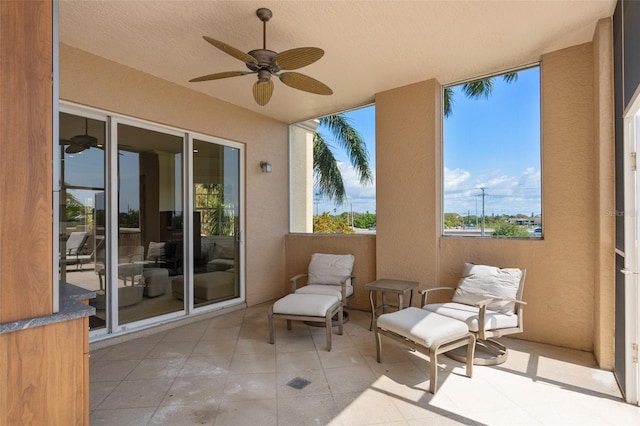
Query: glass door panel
x,y
150,236
82,208
216,220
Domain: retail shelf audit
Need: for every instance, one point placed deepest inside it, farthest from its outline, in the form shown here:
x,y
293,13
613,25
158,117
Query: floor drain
x,y
298,383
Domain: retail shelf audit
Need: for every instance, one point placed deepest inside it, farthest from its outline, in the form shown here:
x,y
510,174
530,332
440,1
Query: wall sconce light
x,y
266,167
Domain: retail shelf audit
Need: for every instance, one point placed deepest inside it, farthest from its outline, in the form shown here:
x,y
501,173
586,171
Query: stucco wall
x,y
90,80
407,175
561,272
605,220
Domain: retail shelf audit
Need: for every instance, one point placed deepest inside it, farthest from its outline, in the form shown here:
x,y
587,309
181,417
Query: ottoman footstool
x,y
306,307
429,333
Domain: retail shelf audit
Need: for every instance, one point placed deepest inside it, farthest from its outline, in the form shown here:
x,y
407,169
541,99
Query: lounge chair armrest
x,y
294,281
485,302
425,292
343,284
482,306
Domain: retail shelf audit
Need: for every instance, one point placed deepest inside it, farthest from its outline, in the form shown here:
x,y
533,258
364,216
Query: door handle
x,y
629,272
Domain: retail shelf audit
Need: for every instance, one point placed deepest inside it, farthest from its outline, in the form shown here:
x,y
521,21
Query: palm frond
x,y
327,176
447,100
351,140
478,88
510,77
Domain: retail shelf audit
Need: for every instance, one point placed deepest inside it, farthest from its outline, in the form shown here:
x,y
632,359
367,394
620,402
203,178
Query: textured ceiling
x,y
370,46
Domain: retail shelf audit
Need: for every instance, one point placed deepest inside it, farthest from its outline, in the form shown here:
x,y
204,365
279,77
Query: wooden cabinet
x,y
45,375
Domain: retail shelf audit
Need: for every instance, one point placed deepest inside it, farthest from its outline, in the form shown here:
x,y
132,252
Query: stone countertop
x,y
71,308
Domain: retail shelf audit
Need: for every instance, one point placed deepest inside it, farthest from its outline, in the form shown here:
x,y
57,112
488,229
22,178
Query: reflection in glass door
x,y
216,223
150,231
82,207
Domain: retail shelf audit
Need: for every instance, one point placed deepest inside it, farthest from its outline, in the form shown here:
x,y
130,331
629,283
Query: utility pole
x,y
483,195
351,206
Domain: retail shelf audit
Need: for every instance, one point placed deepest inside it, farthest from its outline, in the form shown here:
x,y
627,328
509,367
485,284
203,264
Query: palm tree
x,y
474,90
328,179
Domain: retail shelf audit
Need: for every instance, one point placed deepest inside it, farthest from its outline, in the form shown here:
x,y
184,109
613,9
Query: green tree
x,y
327,176
74,207
509,230
364,220
451,220
325,224
474,90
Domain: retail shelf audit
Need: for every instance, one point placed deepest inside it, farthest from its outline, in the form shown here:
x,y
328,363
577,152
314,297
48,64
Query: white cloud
x,y
454,179
360,198
504,194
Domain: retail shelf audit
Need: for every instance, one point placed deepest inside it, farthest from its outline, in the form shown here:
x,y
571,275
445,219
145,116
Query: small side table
x,y
384,286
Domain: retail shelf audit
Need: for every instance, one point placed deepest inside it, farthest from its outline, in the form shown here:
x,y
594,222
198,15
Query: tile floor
x,y
223,371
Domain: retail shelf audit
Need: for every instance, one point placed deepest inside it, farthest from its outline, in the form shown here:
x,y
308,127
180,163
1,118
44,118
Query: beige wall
x,y
301,157
569,278
90,80
407,173
605,220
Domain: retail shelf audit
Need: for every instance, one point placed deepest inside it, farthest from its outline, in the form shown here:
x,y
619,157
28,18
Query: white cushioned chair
x,y
489,300
328,275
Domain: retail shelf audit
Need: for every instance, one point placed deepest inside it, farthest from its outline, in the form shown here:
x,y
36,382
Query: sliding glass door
x,y
82,206
150,231
216,223
156,233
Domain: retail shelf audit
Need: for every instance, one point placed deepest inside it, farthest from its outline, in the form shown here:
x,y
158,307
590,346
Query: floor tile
x,y
259,412
137,394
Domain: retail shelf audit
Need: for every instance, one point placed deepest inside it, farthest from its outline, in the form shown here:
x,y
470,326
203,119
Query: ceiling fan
x,y
266,63
79,143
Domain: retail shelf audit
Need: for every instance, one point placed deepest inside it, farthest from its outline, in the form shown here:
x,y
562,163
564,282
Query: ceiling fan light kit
x,y
267,63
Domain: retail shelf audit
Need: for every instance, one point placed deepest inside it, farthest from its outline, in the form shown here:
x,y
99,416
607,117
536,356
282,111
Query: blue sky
x,y
492,143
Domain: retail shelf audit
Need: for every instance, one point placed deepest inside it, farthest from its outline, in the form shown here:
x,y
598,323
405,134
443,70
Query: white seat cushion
x,y
422,326
469,314
327,290
313,305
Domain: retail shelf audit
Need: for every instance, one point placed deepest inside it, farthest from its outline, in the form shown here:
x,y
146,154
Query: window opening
x,y
491,156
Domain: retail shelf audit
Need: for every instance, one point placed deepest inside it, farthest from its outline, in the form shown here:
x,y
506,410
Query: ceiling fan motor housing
x,y
265,61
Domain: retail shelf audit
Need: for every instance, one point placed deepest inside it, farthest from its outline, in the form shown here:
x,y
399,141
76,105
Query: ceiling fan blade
x,y
297,58
219,75
262,91
305,83
74,148
230,50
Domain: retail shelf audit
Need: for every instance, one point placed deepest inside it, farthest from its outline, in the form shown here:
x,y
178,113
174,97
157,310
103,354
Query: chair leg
x,y
471,347
340,320
378,345
328,327
271,328
433,360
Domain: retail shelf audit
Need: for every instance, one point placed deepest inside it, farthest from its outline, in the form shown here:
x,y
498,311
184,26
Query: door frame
x,y
632,250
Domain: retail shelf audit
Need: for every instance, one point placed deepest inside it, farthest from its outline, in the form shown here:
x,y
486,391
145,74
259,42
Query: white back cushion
x,y
330,268
481,282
